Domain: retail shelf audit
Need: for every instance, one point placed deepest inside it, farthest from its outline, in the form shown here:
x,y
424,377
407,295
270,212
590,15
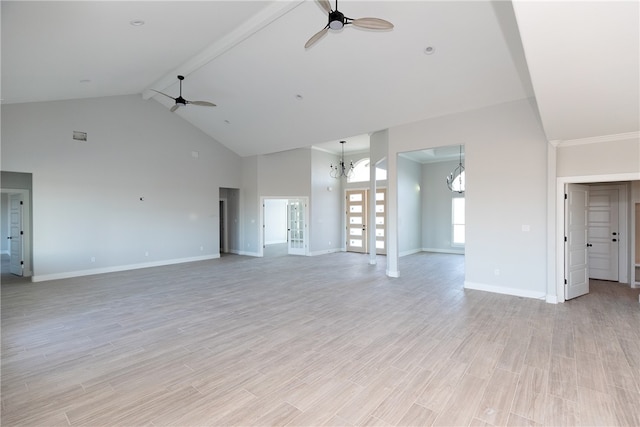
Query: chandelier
x,y
456,179
341,169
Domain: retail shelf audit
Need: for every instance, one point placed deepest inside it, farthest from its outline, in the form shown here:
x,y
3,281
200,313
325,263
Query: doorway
x,y
16,232
357,211
284,226
224,226
596,234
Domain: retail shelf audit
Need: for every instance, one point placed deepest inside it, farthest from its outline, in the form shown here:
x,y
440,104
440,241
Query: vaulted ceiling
x,y
579,60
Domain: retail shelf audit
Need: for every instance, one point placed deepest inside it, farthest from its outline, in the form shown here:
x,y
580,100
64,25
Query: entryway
x,y
357,211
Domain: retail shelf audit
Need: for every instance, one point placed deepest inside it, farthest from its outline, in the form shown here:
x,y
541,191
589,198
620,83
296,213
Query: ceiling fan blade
x,y
372,23
317,36
202,103
325,5
174,108
163,94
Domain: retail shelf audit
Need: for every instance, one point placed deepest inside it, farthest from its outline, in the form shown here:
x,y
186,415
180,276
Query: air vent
x,y
80,136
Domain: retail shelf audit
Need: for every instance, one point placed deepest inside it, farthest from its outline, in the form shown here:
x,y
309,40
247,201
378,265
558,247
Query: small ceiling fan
x,y
181,102
337,21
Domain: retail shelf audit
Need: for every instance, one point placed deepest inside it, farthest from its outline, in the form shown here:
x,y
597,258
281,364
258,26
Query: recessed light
x,y
137,22
227,122
299,97
429,50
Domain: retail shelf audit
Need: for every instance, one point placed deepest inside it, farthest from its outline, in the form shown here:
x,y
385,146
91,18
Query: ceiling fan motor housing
x,y
336,20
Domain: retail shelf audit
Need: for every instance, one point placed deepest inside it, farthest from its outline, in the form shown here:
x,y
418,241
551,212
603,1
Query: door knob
x,y
614,240
589,245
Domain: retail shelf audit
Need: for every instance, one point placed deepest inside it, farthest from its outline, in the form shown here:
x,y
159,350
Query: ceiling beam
x,y
257,22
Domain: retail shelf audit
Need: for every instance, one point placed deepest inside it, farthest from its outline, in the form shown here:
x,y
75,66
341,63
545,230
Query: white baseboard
x,y
90,272
246,253
324,252
409,252
444,251
504,290
552,299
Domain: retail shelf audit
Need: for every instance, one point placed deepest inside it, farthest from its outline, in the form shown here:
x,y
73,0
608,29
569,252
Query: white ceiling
x,y
248,58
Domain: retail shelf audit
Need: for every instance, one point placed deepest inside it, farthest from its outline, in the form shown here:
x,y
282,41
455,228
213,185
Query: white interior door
x,y
296,211
603,233
576,250
16,246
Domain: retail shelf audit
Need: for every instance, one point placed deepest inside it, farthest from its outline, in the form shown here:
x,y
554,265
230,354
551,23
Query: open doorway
x,y
597,236
16,225
284,226
229,226
433,214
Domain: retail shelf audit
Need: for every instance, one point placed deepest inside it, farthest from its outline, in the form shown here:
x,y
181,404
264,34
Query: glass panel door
x,y
356,221
381,221
296,227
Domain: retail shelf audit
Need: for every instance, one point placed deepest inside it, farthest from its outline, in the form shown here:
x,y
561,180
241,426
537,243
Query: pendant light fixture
x,y
341,170
456,179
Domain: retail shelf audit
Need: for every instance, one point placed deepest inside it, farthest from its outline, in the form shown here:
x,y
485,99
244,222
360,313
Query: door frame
x,y
557,233
27,239
305,200
224,221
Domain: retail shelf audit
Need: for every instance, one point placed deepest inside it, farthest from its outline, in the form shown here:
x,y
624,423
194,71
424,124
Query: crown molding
x,y
595,139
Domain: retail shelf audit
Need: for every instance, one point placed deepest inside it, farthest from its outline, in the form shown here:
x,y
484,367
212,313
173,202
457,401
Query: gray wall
x,y
599,157
436,207
409,207
326,215
86,195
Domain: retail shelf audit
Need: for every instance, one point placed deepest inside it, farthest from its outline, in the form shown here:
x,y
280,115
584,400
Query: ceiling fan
x,y
337,21
181,102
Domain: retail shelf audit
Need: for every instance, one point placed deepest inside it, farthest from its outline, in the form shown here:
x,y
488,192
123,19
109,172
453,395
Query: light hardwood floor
x,y
310,341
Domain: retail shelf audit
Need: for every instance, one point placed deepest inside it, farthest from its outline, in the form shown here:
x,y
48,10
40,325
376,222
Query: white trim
x,y
444,251
409,252
90,272
393,273
5,252
504,290
246,253
596,139
225,214
324,252
552,299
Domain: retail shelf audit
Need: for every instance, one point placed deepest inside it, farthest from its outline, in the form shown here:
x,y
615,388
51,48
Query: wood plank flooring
x,y
312,341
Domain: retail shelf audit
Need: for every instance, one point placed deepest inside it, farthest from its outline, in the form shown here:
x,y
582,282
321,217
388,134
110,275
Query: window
x,y
361,172
457,221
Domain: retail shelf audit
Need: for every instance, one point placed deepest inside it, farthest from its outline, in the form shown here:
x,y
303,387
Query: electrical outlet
x,y
93,259
496,272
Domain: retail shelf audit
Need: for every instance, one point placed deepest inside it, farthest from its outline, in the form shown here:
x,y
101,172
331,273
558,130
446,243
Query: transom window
x,y
361,172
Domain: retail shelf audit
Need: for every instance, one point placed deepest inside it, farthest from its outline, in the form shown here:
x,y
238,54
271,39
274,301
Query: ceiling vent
x,y
80,136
